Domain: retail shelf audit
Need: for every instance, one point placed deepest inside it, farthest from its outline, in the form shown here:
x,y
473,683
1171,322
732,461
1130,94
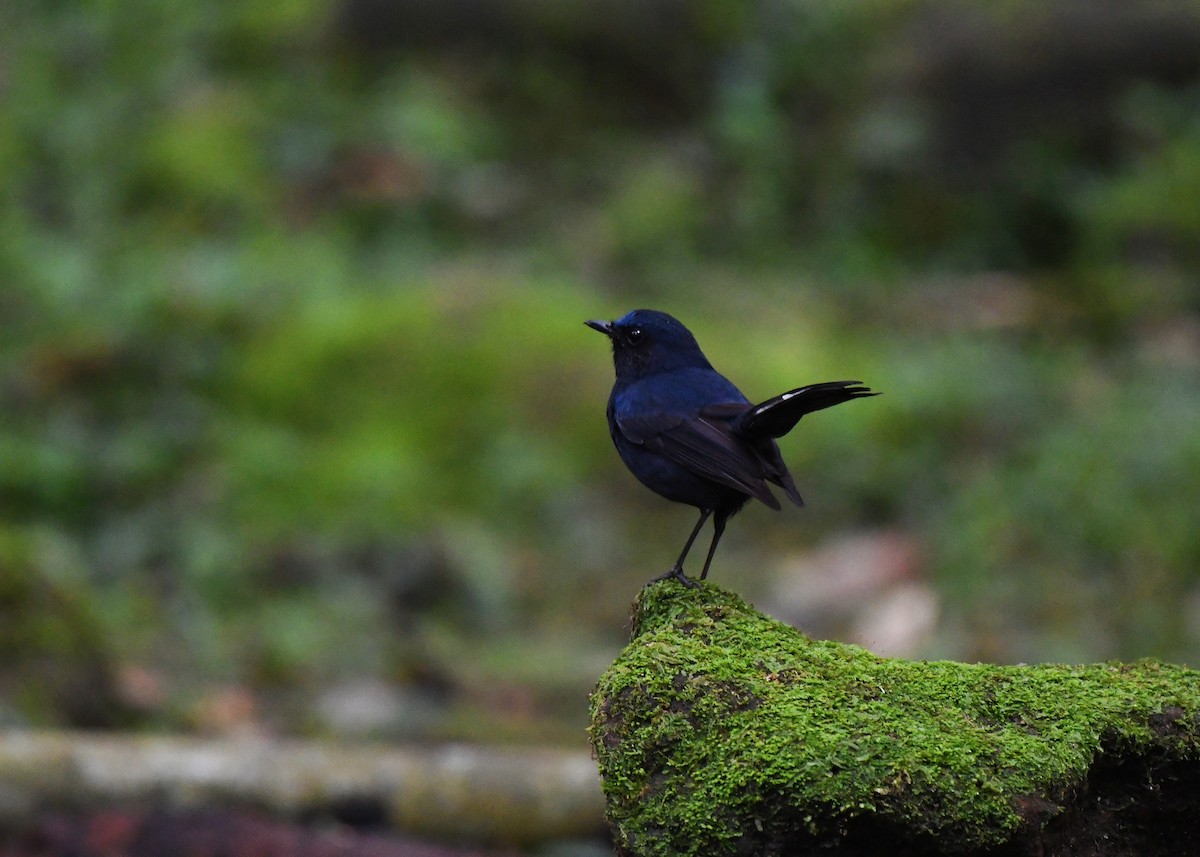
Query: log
x,y
516,796
721,731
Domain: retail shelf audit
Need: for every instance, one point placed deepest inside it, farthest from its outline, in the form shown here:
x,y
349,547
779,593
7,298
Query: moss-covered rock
x,y
722,731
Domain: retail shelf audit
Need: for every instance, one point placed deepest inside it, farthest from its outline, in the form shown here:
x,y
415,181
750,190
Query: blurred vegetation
x,y
297,396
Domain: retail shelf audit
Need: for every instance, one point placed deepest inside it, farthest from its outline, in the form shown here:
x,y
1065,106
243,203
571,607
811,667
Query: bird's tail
x,y
778,416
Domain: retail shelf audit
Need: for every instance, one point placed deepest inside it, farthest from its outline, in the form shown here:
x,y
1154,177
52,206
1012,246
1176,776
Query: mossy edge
x,y
719,727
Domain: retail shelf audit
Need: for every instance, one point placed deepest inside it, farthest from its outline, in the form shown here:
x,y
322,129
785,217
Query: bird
x,y
688,434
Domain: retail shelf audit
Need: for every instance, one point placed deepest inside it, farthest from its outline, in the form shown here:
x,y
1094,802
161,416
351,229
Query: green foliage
x,y
393,408
269,291
1145,211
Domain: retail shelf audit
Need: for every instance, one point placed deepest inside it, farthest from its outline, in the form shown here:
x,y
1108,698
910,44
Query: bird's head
x,y
646,342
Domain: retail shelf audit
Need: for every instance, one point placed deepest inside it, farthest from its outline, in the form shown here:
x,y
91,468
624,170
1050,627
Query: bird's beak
x,y
604,327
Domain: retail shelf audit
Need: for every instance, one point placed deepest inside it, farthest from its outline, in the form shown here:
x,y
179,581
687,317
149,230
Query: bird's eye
x,y
634,336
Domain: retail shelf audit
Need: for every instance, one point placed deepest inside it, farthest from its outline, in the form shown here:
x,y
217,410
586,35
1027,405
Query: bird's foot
x,y
676,573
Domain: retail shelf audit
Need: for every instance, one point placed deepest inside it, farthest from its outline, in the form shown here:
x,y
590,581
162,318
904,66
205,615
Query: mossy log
x,y
720,731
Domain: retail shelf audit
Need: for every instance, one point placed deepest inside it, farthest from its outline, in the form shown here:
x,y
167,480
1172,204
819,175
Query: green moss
x,y
719,727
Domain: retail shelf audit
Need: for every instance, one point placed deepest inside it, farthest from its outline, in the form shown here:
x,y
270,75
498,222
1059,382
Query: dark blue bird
x,y
687,433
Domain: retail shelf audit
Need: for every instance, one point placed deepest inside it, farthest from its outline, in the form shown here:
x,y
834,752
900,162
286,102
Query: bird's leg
x,y
718,529
677,569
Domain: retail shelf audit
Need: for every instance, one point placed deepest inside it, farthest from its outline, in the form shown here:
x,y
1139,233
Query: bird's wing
x,y
703,443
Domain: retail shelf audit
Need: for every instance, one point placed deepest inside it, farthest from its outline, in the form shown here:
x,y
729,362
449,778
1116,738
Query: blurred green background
x,y
302,432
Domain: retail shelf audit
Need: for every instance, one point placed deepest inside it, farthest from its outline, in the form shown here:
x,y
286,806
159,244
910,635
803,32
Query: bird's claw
x,y
676,573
